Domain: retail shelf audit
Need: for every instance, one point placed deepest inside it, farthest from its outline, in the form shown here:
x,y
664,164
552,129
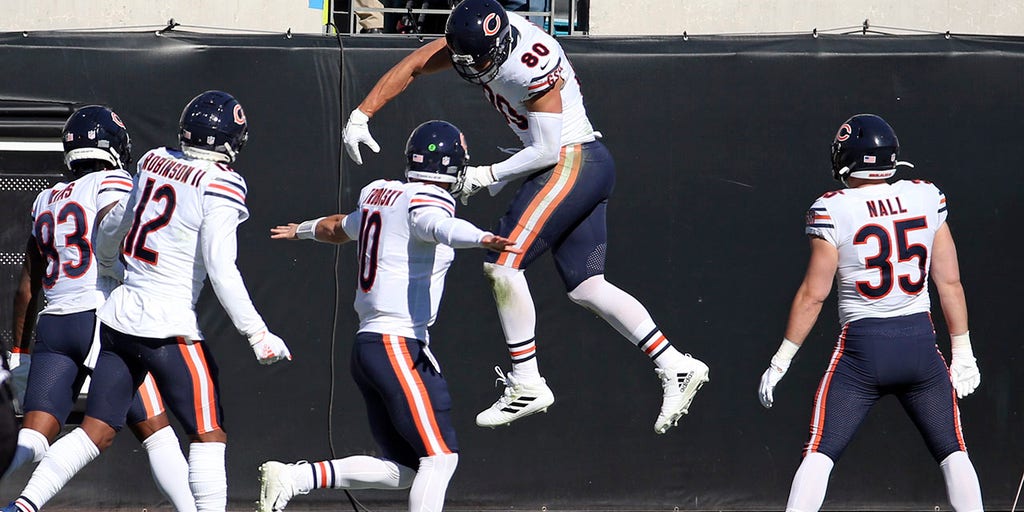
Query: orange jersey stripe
x,y
203,396
402,364
537,213
229,190
117,181
818,417
150,397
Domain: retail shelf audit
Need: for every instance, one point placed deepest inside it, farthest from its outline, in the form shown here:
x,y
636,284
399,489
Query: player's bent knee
x,y
147,427
100,433
440,466
586,293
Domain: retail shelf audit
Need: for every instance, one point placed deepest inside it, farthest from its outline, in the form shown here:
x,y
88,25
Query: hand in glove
x,y
776,370
963,370
357,130
268,347
473,180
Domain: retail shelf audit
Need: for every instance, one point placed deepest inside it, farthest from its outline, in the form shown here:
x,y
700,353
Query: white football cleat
x,y
681,385
277,486
519,400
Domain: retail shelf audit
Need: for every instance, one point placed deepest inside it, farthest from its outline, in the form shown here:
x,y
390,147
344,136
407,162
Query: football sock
x,y
518,319
62,461
431,482
355,472
810,483
207,476
624,313
32,446
170,469
961,482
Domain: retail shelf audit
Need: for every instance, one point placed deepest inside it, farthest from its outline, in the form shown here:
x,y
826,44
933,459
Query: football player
x,y
407,233
560,206
69,222
179,225
883,240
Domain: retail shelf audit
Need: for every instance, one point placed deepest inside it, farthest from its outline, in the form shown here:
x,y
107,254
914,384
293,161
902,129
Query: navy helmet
x,y
436,151
865,147
479,39
95,138
213,127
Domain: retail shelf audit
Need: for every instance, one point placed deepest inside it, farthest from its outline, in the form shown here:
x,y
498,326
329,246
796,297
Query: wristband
x,y
961,344
785,354
358,117
307,230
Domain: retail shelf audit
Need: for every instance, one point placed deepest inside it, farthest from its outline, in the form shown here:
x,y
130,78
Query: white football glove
x,y
20,365
776,370
964,372
473,180
357,130
268,347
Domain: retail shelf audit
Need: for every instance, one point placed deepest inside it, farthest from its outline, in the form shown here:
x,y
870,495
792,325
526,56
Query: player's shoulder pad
x,y
535,61
223,183
116,180
429,195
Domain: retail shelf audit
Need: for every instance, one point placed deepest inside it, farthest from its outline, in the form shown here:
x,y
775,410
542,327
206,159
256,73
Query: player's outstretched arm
x,y
325,229
817,285
429,58
963,368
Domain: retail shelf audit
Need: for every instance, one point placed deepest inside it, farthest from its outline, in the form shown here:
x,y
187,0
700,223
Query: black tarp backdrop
x,y
721,143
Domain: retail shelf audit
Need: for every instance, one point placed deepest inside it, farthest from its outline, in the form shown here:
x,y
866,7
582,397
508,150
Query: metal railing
x,y
413,20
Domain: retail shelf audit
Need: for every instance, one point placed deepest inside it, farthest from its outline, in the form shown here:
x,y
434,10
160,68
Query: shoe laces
x,y
507,380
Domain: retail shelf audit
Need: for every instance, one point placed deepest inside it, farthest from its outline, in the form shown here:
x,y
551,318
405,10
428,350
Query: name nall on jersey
x,y
173,169
879,207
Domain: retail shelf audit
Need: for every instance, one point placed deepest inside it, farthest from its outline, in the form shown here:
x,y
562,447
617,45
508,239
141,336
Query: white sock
x,y
630,318
169,468
207,476
518,319
355,472
431,482
961,482
62,461
810,483
32,445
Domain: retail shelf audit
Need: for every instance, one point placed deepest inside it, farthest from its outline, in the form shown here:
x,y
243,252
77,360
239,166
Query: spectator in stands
x,y
370,22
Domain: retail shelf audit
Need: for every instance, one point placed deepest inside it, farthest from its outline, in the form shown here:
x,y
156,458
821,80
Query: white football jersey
x,y
534,64
63,224
183,214
884,234
401,277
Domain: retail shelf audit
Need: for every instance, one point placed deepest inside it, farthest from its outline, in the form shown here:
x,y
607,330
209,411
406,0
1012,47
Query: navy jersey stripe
x,y
439,207
820,225
239,186
438,197
115,189
229,198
